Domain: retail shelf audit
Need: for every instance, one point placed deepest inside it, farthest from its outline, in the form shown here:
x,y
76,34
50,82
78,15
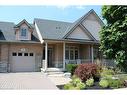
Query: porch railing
x,y
78,61
104,62
59,64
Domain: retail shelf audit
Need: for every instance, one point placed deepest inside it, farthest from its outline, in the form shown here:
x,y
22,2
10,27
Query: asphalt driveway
x,y
30,80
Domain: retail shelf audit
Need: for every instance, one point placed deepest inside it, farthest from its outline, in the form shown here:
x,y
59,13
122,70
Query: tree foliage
x,y
113,35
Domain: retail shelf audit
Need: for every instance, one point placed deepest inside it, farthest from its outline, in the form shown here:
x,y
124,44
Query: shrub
x,y
90,82
107,72
71,68
104,83
115,83
76,84
86,71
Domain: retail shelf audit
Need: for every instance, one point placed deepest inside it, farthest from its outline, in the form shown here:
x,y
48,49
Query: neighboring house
x,y
49,44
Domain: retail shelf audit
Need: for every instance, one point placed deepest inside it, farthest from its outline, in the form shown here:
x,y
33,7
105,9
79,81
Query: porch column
x,y
64,56
92,53
46,55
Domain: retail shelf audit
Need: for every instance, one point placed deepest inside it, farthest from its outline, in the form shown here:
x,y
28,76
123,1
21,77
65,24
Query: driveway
x,y
31,80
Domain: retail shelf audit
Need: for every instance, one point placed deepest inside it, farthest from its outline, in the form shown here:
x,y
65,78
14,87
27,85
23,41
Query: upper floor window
x,y
23,32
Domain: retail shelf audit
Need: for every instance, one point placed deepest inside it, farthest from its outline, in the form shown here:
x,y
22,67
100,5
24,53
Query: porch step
x,y
54,70
55,73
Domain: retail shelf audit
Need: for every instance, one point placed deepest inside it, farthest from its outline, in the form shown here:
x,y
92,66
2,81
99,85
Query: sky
x,y
66,13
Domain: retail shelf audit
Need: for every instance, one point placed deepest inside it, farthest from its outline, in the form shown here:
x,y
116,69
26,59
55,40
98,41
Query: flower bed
x,y
86,75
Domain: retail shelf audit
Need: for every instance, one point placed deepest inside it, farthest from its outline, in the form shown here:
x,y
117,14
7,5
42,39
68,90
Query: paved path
x,y
59,80
32,80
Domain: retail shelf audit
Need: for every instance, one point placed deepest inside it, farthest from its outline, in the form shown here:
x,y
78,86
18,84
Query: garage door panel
x,y
23,63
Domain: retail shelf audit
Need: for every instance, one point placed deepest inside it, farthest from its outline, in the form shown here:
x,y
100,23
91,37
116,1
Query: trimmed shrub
x,y
75,84
86,71
90,82
71,68
104,83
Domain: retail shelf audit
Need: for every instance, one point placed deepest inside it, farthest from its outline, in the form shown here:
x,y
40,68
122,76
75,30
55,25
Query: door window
x,y
19,54
14,54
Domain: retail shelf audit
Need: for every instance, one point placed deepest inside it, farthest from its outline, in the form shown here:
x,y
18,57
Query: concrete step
x,y
54,72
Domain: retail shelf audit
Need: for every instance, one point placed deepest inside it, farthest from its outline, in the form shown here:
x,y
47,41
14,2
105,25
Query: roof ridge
x,y
53,20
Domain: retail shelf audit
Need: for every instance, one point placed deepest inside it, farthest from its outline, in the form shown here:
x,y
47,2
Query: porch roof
x,y
72,41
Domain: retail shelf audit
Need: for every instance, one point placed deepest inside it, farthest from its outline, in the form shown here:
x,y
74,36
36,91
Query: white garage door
x,y
23,62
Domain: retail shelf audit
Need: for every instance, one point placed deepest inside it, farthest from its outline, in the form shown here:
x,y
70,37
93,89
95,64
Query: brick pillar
x,y
4,54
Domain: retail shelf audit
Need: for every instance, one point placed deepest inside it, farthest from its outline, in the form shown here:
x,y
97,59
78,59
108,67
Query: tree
x,y
113,36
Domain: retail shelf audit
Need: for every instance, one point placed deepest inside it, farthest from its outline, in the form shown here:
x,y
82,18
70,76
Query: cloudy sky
x,y
66,13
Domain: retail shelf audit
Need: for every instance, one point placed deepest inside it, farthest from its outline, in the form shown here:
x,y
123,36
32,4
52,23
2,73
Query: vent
x,y
58,27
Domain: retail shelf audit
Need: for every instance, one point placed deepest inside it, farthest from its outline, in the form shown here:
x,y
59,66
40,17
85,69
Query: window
x,y
14,54
71,53
23,35
19,54
25,54
67,54
31,54
23,32
76,54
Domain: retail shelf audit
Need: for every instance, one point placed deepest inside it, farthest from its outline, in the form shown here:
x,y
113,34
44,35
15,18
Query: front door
x,y
50,57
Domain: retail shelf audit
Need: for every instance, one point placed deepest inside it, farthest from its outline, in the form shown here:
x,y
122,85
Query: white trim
x,y
92,53
27,34
73,49
39,34
46,56
64,45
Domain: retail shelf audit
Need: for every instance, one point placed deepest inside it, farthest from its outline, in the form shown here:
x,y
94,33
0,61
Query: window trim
x,y
73,48
23,37
23,31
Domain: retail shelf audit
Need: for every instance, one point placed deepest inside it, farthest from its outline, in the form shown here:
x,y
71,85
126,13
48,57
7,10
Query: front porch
x,y
57,55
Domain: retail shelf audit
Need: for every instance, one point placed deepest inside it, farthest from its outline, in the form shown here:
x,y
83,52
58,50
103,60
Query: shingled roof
x,y
7,33
51,29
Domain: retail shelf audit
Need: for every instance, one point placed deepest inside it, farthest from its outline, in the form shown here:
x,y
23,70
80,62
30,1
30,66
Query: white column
x,y
64,56
92,53
46,55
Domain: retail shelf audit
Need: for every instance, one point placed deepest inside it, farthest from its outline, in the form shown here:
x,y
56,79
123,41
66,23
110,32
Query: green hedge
x,y
71,68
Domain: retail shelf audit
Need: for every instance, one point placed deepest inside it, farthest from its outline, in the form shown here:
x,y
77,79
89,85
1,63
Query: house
x,y
48,44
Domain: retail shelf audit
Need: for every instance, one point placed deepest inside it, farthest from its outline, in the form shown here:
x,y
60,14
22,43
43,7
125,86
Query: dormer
x,y
23,30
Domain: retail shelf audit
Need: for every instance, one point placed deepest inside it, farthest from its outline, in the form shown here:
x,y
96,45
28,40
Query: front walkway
x,y
31,80
59,79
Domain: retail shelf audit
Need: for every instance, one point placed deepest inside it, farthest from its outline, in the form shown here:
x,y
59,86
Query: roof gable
x,y
23,21
79,33
79,22
93,24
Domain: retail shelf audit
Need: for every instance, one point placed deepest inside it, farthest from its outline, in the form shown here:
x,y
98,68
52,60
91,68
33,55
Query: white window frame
x,y
24,37
23,30
73,48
